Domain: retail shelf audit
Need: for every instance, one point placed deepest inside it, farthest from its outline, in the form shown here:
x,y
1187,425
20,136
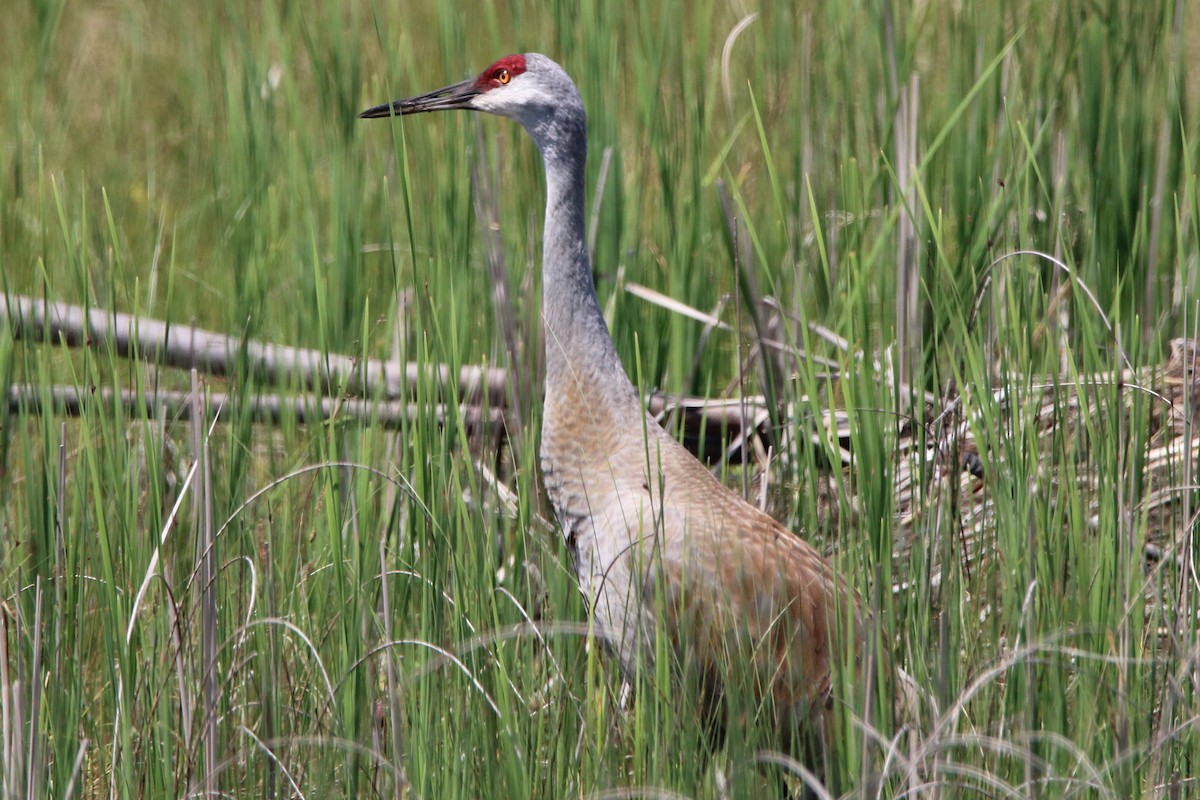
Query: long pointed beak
x,y
458,95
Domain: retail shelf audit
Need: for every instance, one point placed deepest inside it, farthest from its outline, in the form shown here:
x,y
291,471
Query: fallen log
x,y
189,347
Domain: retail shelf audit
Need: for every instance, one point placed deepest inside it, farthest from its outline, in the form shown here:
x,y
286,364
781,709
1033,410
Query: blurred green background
x,y
202,163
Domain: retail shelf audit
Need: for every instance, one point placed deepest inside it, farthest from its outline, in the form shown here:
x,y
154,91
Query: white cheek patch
x,y
513,99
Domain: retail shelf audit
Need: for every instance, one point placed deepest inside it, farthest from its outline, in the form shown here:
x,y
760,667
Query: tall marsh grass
x,y
215,606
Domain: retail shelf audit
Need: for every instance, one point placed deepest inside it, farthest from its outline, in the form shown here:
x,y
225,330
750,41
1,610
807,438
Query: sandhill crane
x,y
659,545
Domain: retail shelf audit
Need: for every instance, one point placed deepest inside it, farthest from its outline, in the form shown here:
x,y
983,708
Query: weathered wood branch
x,y
305,409
187,347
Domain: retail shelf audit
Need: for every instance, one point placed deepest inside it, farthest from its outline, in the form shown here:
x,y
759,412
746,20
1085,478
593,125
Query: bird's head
x,y
529,88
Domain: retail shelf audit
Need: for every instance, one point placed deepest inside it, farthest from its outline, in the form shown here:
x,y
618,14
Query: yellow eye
x,y
502,76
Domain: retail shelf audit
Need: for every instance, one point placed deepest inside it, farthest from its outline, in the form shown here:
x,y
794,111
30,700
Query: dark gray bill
x,y
458,95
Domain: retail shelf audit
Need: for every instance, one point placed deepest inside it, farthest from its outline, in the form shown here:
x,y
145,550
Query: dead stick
x,y
306,409
187,347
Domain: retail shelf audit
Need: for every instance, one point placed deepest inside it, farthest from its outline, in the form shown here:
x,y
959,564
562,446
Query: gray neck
x,y
577,338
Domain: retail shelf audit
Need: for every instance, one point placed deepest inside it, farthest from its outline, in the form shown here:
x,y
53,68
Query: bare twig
x,y
188,347
306,409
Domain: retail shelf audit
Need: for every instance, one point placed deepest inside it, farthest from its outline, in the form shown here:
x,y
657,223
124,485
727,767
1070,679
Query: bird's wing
x,y
742,596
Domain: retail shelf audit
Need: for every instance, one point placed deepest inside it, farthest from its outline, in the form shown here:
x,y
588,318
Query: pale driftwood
x,y
305,409
188,347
